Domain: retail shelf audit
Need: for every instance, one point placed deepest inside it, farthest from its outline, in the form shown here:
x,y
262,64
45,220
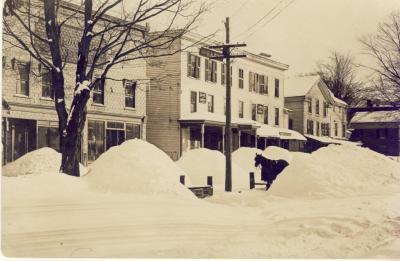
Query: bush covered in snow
x,y
42,161
138,167
200,163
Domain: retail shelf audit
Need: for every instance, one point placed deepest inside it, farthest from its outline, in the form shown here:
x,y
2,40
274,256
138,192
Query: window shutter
x,y
189,65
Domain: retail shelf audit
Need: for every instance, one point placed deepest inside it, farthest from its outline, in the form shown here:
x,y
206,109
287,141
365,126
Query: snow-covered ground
x,y
338,202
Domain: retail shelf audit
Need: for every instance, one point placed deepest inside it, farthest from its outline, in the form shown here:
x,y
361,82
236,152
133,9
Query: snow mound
x,y
200,163
137,167
337,170
277,153
41,161
244,158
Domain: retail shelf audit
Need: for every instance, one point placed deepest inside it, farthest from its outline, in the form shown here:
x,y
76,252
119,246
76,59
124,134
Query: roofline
x,y
192,36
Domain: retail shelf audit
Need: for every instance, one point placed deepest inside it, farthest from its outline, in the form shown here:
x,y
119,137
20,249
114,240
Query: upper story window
x,y
223,74
317,107
263,84
277,116
193,102
211,70
310,127
241,109
130,94
309,103
241,78
98,92
276,87
23,78
290,124
193,66
47,85
343,130
317,127
265,114
254,112
325,109
210,103
336,129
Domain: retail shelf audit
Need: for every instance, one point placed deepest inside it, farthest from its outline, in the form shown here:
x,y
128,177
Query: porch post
x,y
239,135
223,139
255,137
202,135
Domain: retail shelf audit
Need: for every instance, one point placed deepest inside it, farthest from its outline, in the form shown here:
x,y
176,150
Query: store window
x,y
96,137
132,131
48,137
310,127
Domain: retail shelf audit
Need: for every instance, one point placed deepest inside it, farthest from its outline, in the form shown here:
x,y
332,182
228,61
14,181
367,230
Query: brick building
x,y
116,109
186,109
316,112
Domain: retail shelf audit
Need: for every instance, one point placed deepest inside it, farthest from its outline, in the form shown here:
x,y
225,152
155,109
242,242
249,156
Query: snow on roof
x,y
282,133
329,140
300,86
337,100
376,116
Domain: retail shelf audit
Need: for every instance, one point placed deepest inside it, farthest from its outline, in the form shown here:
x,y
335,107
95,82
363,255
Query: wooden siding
x,y
296,105
163,104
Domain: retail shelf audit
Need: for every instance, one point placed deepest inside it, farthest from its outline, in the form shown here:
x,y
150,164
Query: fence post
x,y
182,179
209,181
251,180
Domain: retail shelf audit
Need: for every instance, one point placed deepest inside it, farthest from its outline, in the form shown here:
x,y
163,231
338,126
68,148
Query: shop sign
x,y
260,109
285,134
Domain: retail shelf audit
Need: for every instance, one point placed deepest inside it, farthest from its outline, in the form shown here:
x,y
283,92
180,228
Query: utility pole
x,y
226,54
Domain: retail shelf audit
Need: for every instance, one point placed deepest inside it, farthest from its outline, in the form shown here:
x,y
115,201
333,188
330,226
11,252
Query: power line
x,y
262,18
270,20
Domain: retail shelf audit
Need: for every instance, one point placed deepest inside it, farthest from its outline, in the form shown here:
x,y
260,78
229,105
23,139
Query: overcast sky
x,y
304,32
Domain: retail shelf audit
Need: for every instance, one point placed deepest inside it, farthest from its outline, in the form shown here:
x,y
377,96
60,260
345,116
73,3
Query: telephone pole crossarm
x,y
227,46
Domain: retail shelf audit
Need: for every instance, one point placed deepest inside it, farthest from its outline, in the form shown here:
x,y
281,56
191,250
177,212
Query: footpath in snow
x,y
338,202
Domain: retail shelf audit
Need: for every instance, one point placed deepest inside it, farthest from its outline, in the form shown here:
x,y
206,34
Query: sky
x,y
304,32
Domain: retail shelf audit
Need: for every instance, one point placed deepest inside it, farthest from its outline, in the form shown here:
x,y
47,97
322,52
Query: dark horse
x,y
270,169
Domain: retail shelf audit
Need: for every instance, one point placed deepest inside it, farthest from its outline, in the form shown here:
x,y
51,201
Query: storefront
x,y
280,137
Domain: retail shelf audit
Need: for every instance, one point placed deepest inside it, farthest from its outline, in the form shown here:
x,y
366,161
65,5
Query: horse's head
x,y
258,160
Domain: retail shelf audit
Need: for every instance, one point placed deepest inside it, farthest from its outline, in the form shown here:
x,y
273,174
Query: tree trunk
x,y
72,135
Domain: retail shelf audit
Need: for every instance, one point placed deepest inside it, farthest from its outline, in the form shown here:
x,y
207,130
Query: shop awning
x,y
268,131
218,119
329,140
287,134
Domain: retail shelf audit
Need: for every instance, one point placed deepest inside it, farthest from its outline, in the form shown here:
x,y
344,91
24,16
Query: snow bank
x,y
137,167
337,170
277,153
42,161
244,158
200,163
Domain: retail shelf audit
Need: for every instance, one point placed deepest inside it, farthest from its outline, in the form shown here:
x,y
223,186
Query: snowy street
x,y
53,215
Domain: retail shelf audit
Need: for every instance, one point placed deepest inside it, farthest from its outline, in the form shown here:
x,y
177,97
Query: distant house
x,y
378,128
315,111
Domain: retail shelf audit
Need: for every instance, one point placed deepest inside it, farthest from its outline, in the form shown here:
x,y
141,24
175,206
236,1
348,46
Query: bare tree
x,y
105,42
339,74
384,48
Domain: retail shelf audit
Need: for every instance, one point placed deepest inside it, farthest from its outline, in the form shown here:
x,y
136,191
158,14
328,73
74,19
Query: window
x,y
290,124
211,70
98,92
130,94
48,137
193,66
317,107
241,78
310,127
132,131
325,129
96,137
47,85
223,74
251,82
256,82
254,112
263,84
193,102
265,114
241,109
343,130
210,103
310,106
336,129
317,127
276,87
325,109
23,78
277,116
